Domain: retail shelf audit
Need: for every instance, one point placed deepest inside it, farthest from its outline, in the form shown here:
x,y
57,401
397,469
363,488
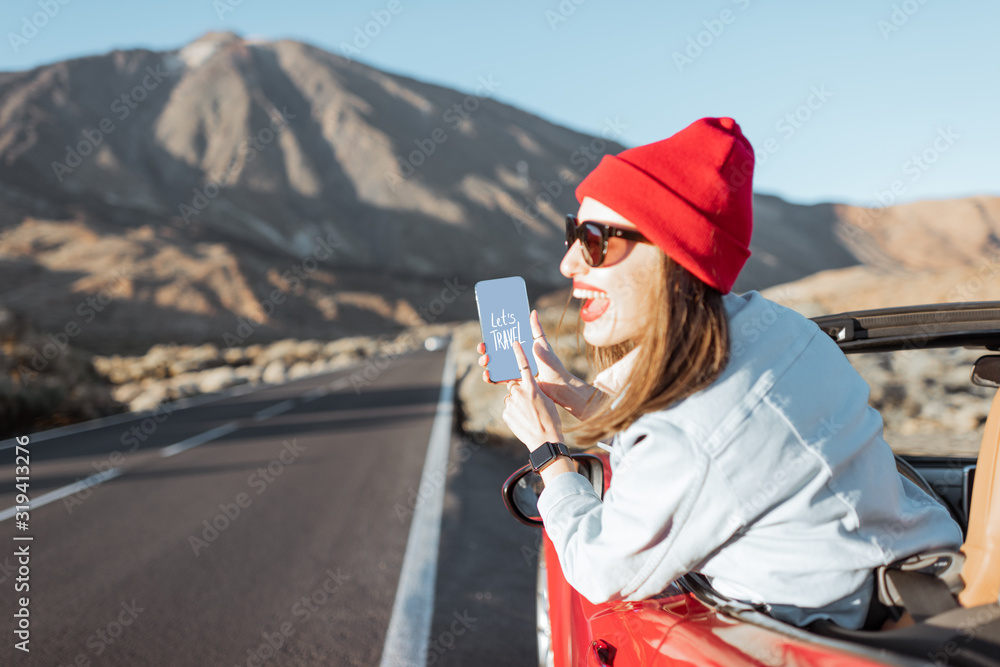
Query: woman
x,y
743,444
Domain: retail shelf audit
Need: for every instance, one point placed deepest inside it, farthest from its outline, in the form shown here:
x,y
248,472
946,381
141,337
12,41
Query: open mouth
x,y
589,294
594,305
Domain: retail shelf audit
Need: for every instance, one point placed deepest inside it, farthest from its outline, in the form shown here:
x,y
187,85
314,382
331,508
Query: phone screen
x,y
503,318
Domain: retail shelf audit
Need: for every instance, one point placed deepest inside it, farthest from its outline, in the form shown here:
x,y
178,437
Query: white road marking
x,y
410,625
336,385
313,394
199,439
64,491
170,450
187,402
275,409
166,408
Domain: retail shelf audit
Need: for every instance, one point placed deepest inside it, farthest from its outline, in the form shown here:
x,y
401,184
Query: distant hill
x,y
924,252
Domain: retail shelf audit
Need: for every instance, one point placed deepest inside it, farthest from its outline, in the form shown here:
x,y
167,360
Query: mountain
x,y
240,191
933,251
192,184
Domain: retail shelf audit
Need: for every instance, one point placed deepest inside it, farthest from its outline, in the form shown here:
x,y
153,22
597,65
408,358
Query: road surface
x,y
267,528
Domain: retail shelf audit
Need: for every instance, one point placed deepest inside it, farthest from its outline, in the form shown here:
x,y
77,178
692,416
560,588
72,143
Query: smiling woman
x,y
728,458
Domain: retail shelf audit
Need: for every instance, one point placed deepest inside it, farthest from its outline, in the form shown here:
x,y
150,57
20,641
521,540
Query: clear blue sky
x,y
894,91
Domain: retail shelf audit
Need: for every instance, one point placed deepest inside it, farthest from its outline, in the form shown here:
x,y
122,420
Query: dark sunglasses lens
x,y
593,243
591,239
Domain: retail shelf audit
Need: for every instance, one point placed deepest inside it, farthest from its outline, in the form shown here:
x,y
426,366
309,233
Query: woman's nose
x,y
572,263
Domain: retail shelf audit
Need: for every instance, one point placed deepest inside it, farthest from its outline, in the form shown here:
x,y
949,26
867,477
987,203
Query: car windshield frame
x,y
969,324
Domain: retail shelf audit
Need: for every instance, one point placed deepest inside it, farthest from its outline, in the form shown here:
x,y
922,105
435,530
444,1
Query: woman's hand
x,y
551,371
530,414
564,388
552,375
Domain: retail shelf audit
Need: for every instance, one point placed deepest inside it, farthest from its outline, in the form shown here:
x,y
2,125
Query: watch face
x,y
545,454
538,457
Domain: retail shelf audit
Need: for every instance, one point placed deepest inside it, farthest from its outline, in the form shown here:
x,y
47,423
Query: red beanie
x,y
690,194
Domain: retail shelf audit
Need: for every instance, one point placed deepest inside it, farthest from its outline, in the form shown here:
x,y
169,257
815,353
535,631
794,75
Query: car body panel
x,y
673,629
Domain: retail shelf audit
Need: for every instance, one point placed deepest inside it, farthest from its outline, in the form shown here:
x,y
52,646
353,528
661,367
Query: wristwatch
x,y
546,454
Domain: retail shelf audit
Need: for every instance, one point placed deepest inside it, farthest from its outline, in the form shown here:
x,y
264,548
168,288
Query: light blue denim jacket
x,y
774,481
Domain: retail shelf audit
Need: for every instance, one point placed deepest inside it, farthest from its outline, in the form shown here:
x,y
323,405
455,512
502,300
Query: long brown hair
x,y
685,346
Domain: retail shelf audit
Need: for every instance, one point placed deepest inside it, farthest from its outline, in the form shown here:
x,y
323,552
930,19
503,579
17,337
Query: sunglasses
x,y
593,237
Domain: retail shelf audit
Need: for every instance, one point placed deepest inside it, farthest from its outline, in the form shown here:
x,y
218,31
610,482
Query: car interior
x,y
965,630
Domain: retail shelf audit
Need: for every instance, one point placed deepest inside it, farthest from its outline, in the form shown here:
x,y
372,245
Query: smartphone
x,y
503,318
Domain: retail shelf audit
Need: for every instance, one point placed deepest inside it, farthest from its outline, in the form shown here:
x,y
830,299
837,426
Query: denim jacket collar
x,y
614,379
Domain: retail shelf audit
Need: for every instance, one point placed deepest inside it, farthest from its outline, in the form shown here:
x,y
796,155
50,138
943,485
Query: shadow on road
x,y
484,611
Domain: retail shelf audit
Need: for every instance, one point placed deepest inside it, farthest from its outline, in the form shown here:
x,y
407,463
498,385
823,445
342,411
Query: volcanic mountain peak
x,y
197,52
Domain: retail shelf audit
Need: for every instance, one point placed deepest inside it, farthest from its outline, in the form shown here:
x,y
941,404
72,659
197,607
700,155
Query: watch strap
x,y
546,454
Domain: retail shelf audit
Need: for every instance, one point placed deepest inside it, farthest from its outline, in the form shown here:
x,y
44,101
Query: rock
x,y
334,347
965,416
933,412
126,393
101,364
185,384
309,350
339,362
157,361
207,352
298,370
250,374
118,370
282,350
188,359
356,346
178,367
236,356
149,399
218,379
274,373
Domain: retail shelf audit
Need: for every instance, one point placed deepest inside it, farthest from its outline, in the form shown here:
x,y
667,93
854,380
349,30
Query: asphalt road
x,y
278,542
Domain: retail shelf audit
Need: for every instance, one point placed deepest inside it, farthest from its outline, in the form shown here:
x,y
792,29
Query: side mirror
x,y
986,371
521,490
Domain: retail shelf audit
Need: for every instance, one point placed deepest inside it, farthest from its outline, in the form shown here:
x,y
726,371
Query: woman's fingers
x,y
484,358
536,325
550,368
529,413
537,333
522,363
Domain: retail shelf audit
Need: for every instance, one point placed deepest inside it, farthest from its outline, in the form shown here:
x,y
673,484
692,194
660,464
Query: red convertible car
x,y
690,623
